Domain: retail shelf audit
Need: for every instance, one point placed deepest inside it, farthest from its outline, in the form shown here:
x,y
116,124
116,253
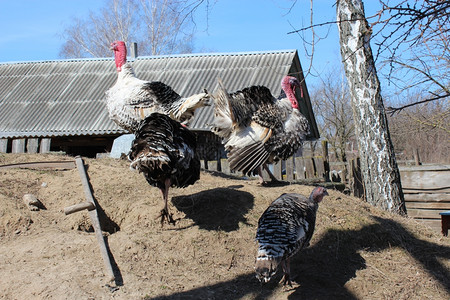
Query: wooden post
x,y
290,169
416,157
94,217
212,165
358,188
299,168
310,172
18,146
326,161
45,145
277,171
3,145
320,171
32,145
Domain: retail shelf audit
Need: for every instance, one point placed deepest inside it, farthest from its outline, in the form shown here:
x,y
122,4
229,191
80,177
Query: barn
x,y
59,105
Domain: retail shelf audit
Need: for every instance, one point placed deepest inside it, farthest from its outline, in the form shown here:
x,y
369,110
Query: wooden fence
x,y
427,192
426,188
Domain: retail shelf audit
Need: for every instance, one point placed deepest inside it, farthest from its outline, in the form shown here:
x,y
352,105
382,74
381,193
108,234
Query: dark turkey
x,y
258,129
164,151
285,228
131,99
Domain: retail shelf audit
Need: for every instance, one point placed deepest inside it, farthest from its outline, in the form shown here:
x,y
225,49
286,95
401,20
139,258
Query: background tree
x,y
331,102
158,26
412,39
425,128
381,177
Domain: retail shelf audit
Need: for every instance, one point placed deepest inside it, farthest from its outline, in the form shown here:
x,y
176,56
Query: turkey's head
x,y
120,54
318,193
288,84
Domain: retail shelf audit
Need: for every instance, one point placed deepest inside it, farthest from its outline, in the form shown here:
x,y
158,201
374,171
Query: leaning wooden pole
x,y
94,217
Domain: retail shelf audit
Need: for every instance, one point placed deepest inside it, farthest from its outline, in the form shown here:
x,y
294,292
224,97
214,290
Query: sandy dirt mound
x,y
357,251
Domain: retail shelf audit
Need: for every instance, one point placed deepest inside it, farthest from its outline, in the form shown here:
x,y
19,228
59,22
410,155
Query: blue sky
x,y
32,29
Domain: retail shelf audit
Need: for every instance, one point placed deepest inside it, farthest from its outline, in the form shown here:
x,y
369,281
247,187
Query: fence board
x,y
225,166
212,165
433,223
277,171
300,168
424,197
290,169
442,206
425,213
309,164
320,169
425,179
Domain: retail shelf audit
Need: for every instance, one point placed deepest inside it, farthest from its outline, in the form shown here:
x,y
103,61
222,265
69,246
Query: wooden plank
x,y
212,165
431,191
277,171
309,165
425,213
225,166
3,145
44,146
290,169
32,145
18,146
424,168
434,224
424,180
320,169
428,197
428,205
300,168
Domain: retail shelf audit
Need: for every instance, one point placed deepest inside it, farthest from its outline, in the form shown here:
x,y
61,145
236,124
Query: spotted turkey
x,y
131,99
285,228
164,151
258,129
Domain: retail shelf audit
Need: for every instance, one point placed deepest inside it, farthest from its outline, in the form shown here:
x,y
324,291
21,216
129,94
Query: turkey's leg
x,y
286,266
165,215
272,177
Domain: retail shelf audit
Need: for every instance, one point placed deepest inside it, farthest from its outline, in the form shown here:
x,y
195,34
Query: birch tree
x,y
381,177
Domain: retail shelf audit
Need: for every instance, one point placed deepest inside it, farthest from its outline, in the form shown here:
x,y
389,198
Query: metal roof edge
x,y
184,55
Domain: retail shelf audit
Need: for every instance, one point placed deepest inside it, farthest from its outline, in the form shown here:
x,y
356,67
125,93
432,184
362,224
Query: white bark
x,y
381,177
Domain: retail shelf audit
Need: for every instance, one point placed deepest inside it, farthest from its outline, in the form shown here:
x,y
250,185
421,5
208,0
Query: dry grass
x,y
357,252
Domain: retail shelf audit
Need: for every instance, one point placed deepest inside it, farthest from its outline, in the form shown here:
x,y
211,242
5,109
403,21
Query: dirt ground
x,y
357,251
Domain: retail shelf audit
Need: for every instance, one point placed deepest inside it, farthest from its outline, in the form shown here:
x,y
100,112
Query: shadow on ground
x,y
216,209
323,270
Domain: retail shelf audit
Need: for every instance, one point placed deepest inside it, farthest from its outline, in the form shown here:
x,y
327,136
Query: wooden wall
x,y
427,192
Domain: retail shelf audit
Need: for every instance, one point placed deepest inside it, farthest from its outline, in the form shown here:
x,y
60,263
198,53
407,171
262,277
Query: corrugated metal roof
x,y
66,97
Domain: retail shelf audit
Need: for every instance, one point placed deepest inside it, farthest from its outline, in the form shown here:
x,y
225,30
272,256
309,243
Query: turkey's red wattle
x,y
120,54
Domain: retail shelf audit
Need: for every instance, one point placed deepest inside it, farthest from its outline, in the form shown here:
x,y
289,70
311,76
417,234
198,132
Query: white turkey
x,y
131,99
258,129
164,151
285,228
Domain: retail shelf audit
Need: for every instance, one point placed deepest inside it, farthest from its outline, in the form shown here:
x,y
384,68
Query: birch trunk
x,y
381,177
